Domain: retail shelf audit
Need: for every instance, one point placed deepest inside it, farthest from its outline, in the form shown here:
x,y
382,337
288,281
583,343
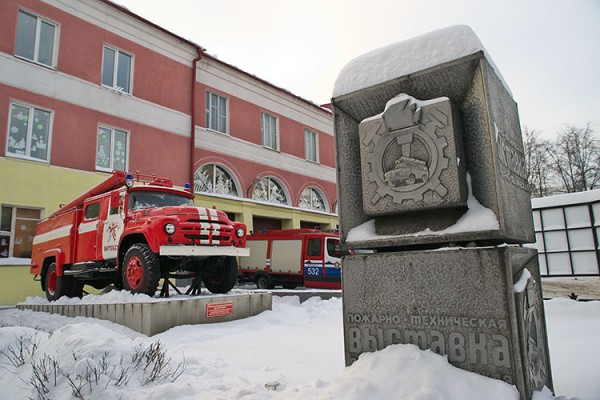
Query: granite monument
x,y
431,176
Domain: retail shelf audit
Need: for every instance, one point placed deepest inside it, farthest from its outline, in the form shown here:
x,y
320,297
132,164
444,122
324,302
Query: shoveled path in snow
x,y
584,287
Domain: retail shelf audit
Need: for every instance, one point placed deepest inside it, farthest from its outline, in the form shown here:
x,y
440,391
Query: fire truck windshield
x,y
139,200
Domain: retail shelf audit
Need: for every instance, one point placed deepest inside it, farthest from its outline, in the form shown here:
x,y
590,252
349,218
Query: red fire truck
x,y
132,235
292,258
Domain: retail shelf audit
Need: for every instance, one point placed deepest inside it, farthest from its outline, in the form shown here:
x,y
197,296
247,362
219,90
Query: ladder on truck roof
x,y
116,180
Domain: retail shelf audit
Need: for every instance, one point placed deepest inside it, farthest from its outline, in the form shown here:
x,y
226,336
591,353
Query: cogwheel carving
x,y
535,346
406,163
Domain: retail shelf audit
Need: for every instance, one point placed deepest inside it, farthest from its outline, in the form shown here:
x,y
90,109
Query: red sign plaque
x,y
219,309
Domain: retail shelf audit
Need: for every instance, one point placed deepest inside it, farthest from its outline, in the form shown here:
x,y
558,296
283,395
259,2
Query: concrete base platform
x,y
156,317
307,294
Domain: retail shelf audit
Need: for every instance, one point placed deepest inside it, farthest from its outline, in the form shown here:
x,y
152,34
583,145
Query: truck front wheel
x,y
221,278
141,270
58,286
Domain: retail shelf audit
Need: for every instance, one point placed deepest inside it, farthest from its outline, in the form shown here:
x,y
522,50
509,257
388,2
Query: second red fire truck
x,y
293,257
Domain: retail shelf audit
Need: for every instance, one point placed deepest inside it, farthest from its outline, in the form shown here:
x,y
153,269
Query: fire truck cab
x,y
294,257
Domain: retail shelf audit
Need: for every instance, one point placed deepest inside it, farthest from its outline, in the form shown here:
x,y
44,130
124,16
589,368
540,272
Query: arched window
x,y
212,178
311,199
267,189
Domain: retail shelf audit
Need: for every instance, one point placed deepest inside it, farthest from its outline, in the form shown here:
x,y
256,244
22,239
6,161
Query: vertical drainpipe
x,y
200,51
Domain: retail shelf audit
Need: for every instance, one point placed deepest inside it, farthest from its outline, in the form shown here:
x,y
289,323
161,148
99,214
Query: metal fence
x,y
567,228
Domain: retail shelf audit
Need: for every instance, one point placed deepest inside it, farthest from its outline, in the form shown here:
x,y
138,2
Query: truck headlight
x,y
239,232
169,228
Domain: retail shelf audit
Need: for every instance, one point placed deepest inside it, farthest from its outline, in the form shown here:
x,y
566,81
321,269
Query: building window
x,y
269,190
269,131
111,151
310,146
17,229
29,132
216,112
311,199
36,39
211,178
567,237
116,70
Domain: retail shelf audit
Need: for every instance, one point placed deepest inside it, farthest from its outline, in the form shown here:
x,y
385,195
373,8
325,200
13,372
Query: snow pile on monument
x,y
409,56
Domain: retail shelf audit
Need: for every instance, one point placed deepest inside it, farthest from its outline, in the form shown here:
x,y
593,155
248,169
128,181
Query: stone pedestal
x,y
481,307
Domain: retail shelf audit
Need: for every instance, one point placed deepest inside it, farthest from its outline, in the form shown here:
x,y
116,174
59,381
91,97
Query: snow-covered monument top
x,y
429,125
410,56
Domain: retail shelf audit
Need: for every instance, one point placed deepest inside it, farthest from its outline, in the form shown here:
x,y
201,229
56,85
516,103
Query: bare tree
x,y
575,158
539,173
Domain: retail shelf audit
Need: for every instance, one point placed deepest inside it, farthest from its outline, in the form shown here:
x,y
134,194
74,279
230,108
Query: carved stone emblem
x,y
405,157
533,333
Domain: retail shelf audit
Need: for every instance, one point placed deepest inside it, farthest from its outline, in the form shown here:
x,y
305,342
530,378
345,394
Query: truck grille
x,y
207,233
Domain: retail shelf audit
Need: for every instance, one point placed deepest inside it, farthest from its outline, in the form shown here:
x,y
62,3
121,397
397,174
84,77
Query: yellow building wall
x,y
34,184
38,185
245,210
17,284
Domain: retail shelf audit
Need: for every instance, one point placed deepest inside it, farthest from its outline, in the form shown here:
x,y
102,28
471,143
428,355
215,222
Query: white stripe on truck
x,y
57,233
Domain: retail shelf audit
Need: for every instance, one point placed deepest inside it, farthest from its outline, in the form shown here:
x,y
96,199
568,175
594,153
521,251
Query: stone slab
x,y
458,302
492,146
156,317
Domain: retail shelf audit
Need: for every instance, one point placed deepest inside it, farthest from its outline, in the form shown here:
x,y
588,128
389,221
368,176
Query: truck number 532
x,y
313,271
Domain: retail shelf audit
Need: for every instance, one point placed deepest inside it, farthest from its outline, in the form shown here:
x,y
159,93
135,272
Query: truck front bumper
x,y
205,251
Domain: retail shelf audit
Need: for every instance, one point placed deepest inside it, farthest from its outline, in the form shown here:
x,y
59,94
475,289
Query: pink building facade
x,y
87,87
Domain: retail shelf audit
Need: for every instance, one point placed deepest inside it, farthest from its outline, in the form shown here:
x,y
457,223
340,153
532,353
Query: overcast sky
x,y
547,50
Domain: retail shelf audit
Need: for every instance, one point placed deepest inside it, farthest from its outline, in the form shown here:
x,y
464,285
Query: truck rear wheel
x,y
264,282
289,286
58,286
221,278
141,270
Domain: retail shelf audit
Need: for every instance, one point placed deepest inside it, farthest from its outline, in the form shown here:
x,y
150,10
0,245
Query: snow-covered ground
x,y
294,351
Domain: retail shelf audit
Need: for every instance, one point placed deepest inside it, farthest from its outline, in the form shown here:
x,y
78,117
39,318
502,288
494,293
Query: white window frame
x,y
112,147
232,176
273,181
266,143
116,68
11,234
315,190
210,110
36,46
31,108
314,148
